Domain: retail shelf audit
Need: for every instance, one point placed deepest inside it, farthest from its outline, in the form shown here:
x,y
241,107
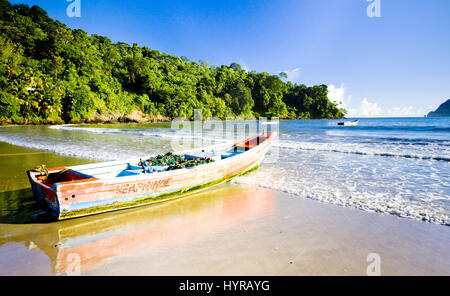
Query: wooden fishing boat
x,y
349,123
102,187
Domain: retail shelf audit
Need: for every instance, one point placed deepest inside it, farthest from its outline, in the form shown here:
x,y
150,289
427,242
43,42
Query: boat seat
x,y
230,153
134,167
125,173
134,170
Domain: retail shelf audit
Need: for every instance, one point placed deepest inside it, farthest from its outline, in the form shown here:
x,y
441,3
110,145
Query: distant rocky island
x,y
442,111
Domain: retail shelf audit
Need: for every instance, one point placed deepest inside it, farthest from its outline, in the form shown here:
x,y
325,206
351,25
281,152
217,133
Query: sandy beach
x,y
237,138
229,230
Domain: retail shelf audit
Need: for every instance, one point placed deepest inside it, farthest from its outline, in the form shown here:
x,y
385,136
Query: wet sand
x,y
228,230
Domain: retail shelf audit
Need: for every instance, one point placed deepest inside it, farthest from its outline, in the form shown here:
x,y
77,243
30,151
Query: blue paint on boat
x,y
91,204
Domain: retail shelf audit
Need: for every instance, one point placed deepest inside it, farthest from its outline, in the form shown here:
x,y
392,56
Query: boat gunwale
x,y
163,174
57,188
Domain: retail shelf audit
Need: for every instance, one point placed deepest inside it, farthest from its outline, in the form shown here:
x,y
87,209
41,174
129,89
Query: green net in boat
x,y
175,162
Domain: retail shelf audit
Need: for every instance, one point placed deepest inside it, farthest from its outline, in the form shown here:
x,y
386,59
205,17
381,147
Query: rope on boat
x,y
42,170
54,177
146,167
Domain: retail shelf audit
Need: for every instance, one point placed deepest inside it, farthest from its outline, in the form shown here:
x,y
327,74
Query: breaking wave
x,y
399,170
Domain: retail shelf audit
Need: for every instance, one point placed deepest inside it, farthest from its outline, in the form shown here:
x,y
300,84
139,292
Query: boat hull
x,y
93,196
351,123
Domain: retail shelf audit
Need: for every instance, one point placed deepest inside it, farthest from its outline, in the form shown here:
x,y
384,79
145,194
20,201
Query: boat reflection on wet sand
x,y
87,243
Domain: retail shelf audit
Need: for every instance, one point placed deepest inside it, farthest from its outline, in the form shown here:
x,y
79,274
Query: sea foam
x,y
406,174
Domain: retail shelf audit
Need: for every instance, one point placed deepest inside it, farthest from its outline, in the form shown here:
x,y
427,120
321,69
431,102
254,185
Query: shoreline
x,y
430,216
230,230
155,120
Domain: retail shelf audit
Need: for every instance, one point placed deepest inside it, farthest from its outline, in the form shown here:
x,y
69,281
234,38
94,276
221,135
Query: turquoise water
x,y
398,166
390,165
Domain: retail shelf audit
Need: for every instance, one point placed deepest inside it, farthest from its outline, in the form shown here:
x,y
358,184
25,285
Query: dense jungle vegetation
x,y
50,73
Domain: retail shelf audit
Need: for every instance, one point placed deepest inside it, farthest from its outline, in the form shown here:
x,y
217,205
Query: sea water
x,y
398,166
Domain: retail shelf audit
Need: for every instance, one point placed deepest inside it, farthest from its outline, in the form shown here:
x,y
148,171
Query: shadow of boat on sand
x,y
86,243
20,207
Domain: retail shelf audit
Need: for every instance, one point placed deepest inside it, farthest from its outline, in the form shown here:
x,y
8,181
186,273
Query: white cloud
x,y
409,111
371,109
366,108
293,75
336,94
244,65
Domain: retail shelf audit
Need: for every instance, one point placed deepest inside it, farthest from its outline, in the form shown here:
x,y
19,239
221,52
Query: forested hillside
x,y
50,73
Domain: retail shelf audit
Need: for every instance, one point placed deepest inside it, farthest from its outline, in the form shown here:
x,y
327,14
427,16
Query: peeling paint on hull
x,y
88,195
143,201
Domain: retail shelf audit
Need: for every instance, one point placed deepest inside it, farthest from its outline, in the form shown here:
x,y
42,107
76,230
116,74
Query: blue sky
x,y
394,65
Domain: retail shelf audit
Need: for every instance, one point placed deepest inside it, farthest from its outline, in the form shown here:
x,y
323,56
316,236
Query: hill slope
x,y
50,73
442,111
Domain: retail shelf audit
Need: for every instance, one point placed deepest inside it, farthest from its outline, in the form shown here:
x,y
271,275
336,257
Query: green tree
x,y
50,73
241,100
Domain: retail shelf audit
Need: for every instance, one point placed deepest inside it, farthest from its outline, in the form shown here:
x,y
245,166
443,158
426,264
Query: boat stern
x,y
44,194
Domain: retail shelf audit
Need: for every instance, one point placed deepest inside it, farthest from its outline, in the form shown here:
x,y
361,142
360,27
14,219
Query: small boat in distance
x,y
95,188
349,123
